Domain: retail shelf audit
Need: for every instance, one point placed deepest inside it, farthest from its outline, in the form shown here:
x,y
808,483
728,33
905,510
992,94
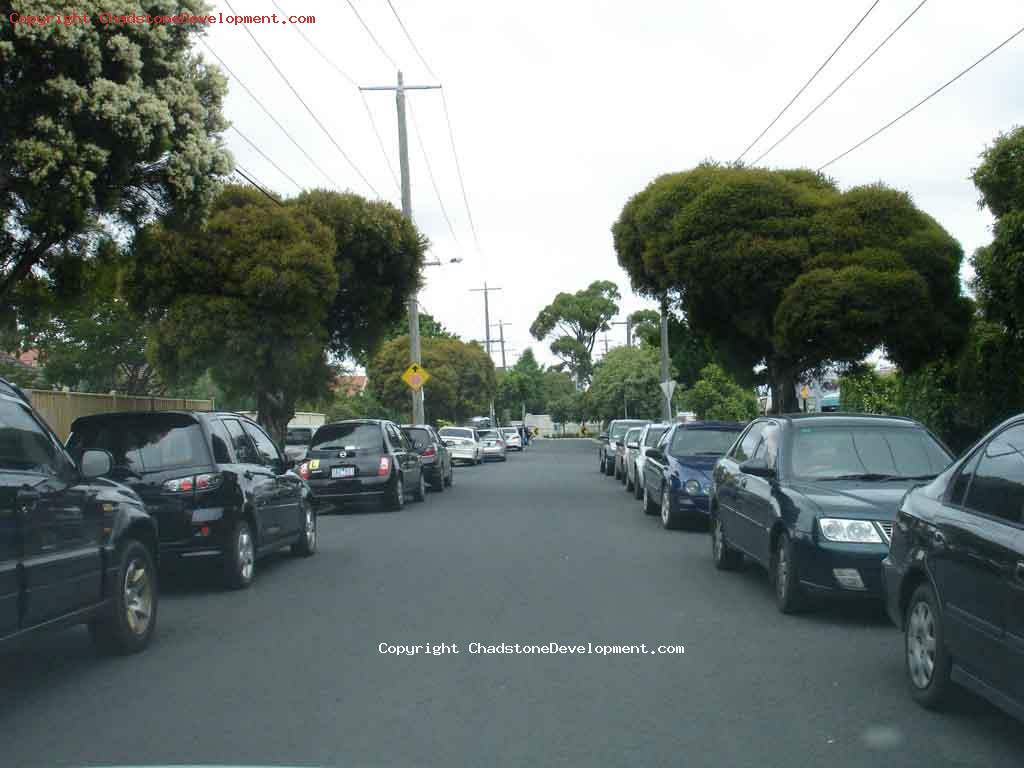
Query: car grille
x,y
886,531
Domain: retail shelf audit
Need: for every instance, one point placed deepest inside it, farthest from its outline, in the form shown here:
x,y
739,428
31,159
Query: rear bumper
x,y
817,561
466,453
217,526
327,491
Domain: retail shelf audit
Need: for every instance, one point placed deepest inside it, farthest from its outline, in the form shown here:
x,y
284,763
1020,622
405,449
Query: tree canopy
x,y
521,387
781,268
246,297
717,397
627,381
575,320
102,125
428,327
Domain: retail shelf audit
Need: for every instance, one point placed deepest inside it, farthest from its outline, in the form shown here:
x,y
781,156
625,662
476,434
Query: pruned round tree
x,y
782,269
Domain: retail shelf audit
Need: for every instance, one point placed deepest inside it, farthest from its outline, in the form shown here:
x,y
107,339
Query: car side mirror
x,y
603,436
96,464
633,446
757,467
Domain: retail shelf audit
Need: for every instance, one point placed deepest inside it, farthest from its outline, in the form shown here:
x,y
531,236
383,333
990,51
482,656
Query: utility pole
x,y
605,340
501,330
487,329
664,358
418,416
628,322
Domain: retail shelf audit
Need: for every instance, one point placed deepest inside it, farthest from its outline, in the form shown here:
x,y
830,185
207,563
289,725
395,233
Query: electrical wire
x,y
846,79
804,88
268,113
409,38
267,158
372,36
252,180
937,91
430,173
287,82
458,169
380,143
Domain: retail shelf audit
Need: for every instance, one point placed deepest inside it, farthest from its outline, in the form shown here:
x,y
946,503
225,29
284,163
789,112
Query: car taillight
x,y
385,466
193,483
206,482
304,470
429,452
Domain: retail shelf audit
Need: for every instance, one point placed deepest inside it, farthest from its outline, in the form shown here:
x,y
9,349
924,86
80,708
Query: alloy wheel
x,y
246,553
921,645
716,539
781,572
310,528
138,596
666,506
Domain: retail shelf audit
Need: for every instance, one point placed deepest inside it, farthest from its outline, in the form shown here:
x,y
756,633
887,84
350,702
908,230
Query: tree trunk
x,y
29,257
274,413
783,384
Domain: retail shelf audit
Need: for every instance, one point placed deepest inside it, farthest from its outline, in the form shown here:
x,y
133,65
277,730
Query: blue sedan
x,y
678,471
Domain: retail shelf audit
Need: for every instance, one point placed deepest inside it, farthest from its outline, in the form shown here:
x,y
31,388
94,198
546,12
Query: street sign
x,y
667,388
415,377
805,393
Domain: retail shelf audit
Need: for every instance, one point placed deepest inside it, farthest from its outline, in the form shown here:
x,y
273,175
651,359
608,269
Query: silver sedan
x,y
494,445
463,443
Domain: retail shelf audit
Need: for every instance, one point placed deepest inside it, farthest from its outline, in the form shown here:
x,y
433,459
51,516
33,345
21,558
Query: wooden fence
x,y
60,409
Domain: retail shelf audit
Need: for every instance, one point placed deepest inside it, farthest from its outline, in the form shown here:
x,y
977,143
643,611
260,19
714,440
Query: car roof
x,y
354,421
735,425
846,418
10,390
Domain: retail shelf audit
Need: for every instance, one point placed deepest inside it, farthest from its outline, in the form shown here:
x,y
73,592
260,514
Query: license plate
x,y
343,472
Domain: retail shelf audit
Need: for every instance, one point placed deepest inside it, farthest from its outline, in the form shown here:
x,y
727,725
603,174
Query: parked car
x,y
608,442
954,575
513,440
677,471
493,444
435,457
630,449
464,444
74,548
648,438
215,482
363,460
296,443
813,498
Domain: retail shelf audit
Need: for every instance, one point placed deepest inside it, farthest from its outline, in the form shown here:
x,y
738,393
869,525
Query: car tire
x,y
451,476
615,472
437,485
240,556
649,508
394,499
629,483
928,661
725,557
671,519
131,624
600,464
609,469
789,597
420,494
638,489
306,545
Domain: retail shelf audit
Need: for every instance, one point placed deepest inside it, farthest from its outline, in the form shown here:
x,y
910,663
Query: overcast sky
x,y
562,110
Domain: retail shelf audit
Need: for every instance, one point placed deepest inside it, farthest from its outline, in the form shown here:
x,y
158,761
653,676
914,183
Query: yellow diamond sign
x,y
415,376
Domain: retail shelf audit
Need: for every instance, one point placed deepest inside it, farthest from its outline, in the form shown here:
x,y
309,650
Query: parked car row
x,y
850,506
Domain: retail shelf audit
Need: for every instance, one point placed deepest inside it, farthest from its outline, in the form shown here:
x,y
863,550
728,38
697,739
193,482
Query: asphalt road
x,y
539,550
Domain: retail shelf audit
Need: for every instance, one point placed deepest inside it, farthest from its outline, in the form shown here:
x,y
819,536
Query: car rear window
x,y
143,444
456,432
618,430
835,451
702,442
298,436
488,434
421,438
366,437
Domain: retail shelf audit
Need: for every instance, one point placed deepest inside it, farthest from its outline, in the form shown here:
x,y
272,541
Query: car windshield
x,y
457,432
702,442
298,436
23,443
653,435
420,437
140,444
356,435
870,452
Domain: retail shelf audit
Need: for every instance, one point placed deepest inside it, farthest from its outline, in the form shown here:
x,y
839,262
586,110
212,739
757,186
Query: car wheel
x,y
615,471
306,545
451,475
671,519
600,464
629,483
437,485
651,508
928,661
785,572
609,468
421,489
726,558
131,625
240,556
638,488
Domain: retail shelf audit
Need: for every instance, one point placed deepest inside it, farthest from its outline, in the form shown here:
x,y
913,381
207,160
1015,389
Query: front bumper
x,y
892,588
816,561
690,505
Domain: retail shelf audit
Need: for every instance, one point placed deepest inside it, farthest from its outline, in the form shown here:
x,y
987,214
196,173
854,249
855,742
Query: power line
x,y
458,169
352,82
430,173
268,113
845,80
251,179
372,36
409,38
267,158
804,88
937,91
305,105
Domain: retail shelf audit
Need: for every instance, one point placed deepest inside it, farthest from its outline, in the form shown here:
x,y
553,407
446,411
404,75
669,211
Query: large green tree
x,y
429,326
627,384
521,388
462,379
378,257
688,352
575,320
246,297
103,126
781,269
716,396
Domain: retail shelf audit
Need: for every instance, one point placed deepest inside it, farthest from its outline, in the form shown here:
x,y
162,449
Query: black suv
x,y
73,548
363,459
216,483
954,576
434,455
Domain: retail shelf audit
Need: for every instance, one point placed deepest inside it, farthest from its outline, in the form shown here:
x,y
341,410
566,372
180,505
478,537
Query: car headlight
x,y
850,531
692,487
